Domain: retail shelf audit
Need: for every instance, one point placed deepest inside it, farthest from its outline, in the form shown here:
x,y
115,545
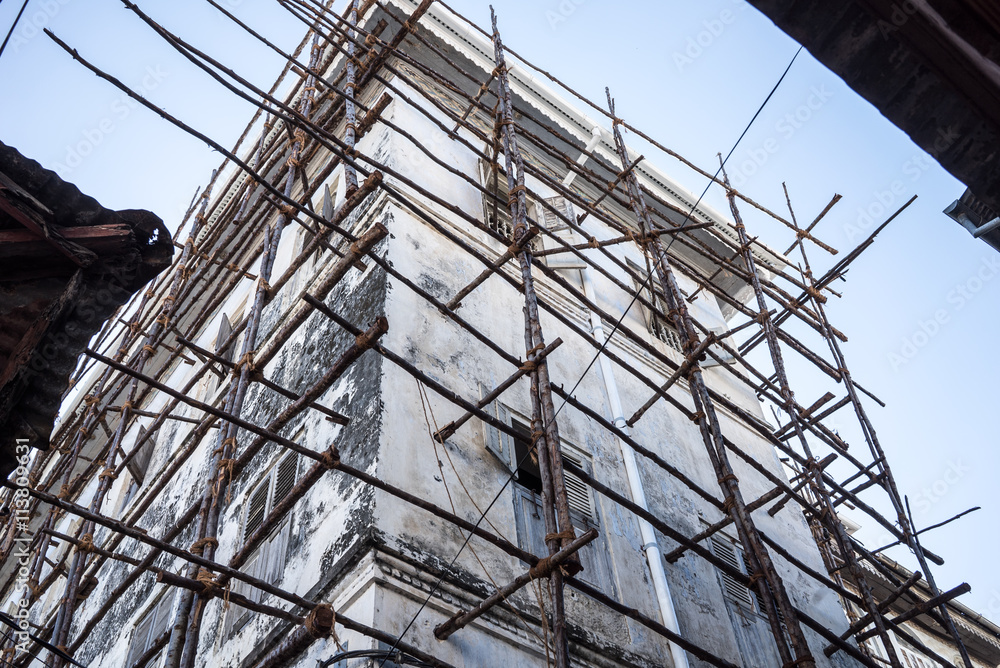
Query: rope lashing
x,y
512,195
728,477
247,359
567,534
816,294
330,459
85,543
541,569
209,583
537,348
320,621
198,547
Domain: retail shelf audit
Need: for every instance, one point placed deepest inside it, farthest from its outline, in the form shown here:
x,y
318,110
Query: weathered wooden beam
x,y
540,570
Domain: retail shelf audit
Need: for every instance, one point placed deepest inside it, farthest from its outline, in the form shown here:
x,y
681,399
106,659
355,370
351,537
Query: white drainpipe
x,y
649,544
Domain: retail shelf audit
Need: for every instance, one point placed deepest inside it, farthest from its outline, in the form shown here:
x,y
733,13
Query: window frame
x,y
265,562
155,613
596,556
658,326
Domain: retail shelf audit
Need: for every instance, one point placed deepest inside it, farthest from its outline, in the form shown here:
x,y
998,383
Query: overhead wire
x,y
524,457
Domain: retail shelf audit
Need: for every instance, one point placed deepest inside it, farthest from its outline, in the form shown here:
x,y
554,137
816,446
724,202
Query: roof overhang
x,y
930,66
66,265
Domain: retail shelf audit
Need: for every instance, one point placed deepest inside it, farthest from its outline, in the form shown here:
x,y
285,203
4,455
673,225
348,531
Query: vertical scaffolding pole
x,y
545,431
888,482
764,576
64,618
827,513
350,87
225,452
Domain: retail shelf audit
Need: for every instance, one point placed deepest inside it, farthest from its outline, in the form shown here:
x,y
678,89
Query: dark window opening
x,y
528,473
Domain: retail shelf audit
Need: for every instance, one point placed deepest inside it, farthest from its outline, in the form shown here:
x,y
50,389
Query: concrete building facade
x,y
352,540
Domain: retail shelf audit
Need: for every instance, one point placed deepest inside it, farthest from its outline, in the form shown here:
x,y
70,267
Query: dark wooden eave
x,y
66,265
932,67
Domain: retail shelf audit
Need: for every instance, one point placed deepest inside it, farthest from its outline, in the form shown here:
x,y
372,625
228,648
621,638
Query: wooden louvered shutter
x,y
256,510
497,442
273,565
138,465
563,206
328,202
529,520
273,552
140,638
581,502
225,331
162,619
734,590
284,479
497,213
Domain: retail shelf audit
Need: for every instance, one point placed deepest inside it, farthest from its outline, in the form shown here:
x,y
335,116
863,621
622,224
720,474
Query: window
x,y
148,630
657,325
225,331
139,464
267,562
512,452
747,600
305,272
735,592
912,659
497,213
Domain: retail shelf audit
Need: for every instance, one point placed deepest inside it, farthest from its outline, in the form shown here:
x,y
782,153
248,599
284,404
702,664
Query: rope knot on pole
x,y
567,534
541,569
198,547
210,586
86,543
246,361
320,621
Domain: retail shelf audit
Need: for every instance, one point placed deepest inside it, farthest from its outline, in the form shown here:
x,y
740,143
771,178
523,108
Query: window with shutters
x,y
496,211
151,627
513,452
746,600
735,592
913,659
139,463
652,291
307,269
210,381
227,352
267,561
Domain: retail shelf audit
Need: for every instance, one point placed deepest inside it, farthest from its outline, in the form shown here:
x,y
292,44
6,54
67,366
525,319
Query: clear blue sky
x,y
919,307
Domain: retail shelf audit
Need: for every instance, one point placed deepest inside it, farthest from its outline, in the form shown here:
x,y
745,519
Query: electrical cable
x,y
14,25
510,478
